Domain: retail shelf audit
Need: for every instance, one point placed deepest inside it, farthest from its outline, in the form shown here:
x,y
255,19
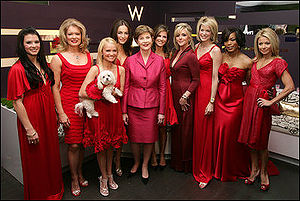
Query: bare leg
x,y
101,158
147,154
73,158
118,161
109,158
153,158
254,164
81,157
135,148
264,154
162,147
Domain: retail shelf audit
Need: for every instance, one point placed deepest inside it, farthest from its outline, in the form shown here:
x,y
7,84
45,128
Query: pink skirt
x,y
142,125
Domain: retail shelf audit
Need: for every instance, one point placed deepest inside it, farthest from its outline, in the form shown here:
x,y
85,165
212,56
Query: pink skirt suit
x,y
144,96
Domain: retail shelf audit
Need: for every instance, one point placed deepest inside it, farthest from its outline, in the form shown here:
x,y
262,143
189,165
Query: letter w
x,y
135,11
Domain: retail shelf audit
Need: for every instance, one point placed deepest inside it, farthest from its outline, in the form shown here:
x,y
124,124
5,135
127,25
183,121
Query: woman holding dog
x,y
70,67
143,103
107,131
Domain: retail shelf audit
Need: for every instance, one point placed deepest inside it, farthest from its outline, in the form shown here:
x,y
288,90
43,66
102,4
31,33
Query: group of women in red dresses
x,y
217,131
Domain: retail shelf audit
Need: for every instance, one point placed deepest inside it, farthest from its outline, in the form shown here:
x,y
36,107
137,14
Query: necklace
x,y
77,57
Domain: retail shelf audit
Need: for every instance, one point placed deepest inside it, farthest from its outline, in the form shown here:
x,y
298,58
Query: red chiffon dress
x,y
41,165
185,76
72,77
170,113
256,122
232,158
107,130
203,124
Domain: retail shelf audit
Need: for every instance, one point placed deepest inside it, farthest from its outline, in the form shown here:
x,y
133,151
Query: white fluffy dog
x,y
106,81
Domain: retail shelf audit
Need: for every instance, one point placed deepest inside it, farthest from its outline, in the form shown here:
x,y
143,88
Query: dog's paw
x,y
95,114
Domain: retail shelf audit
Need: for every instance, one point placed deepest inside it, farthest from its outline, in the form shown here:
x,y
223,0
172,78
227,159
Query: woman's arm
x,y
122,78
90,76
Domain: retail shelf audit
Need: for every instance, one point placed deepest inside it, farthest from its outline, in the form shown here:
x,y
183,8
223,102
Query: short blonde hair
x,y
142,29
103,42
273,38
63,46
180,27
212,24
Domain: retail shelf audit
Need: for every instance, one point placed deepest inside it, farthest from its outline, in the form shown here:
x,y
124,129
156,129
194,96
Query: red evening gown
x,y
232,158
185,76
170,113
106,130
41,165
72,77
256,122
203,125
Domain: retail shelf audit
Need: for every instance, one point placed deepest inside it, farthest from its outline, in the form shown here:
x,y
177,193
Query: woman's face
x,y
161,39
122,34
231,44
32,44
204,33
73,36
109,52
264,46
145,41
182,38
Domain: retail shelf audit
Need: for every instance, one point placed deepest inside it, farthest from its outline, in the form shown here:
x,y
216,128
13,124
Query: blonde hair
x,y
103,42
63,46
272,37
143,29
180,27
212,24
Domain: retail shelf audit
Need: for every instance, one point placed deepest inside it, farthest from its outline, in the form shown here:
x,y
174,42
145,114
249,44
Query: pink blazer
x,y
145,85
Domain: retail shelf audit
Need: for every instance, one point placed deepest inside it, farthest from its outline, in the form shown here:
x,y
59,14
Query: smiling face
x,y
182,38
73,36
122,34
145,41
161,39
231,44
109,52
264,46
205,33
31,44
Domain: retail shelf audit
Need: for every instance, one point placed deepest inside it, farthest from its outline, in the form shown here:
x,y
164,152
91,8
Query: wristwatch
x,y
212,100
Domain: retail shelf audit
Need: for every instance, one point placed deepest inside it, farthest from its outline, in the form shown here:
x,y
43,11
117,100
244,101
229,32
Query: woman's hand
x,y
209,108
184,104
64,120
263,102
160,118
32,136
125,119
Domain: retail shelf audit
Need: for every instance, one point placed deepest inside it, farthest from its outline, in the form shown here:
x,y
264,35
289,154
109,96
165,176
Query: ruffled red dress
x,y
106,130
232,158
41,165
170,113
72,77
256,122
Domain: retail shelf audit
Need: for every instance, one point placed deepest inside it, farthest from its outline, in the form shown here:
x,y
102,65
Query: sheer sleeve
x,y
281,65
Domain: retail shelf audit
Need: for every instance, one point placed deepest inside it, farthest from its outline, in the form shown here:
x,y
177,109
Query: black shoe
x,y
145,180
154,167
131,174
162,167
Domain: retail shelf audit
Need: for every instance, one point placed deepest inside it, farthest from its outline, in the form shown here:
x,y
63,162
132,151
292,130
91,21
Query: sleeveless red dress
x,y
106,130
41,165
203,125
232,158
256,122
118,63
72,77
170,113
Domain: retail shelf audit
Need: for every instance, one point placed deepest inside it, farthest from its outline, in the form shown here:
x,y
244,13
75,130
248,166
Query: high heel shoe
x,y
250,182
84,184
103,188
264,187
119,171
145,180
112,184
202,185
75,192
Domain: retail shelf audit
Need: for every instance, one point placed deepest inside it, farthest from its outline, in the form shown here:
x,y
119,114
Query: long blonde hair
x,y
180,27
63,46
212,24
272,37
103,42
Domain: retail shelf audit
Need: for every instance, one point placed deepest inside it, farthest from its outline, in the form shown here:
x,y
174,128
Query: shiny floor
x,y
168,184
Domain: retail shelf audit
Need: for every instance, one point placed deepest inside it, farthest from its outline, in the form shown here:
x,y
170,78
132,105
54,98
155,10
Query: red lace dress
x,y
106,130
72,77
41,165
170,113
203,125
228,116
256,122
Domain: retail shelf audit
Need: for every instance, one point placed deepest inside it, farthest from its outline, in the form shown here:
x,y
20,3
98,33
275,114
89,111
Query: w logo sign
x,y
135,11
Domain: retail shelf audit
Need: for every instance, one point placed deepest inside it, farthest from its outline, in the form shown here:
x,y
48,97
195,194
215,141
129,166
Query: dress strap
x,y
212,48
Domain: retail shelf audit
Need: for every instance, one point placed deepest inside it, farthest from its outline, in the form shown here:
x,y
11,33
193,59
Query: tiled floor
x,y
169,185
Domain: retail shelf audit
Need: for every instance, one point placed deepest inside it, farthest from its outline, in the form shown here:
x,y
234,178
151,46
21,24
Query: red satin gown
x,y
203,163
232,158
41,165
106,130
72,77
170,113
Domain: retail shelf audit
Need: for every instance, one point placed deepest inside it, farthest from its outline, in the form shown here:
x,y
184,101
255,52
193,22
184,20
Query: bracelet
x,y
33,134
212,100
184,96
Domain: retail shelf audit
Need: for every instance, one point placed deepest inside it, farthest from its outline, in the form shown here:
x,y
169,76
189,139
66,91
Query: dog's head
x,y
107,77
